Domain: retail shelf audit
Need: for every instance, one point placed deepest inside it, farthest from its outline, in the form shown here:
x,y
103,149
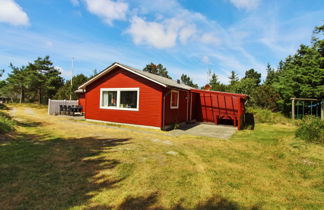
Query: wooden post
x,y
322,110
49,106
293,109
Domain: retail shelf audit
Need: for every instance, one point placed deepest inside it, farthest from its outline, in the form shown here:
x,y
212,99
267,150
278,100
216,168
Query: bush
x,y
3,106
311,129
6,123
267,116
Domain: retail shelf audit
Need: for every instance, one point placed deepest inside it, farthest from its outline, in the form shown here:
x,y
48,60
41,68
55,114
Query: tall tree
x,y
271,75
233,77
213,82
302,76
252,74
157,69
18,81
216,84
65,91
185,79
1,72
46,79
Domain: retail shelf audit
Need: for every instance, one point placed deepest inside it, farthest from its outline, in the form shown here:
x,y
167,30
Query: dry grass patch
x,y
76,165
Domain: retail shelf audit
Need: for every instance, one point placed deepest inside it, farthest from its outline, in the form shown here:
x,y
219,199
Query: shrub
x,y
311,129
267,116
6,123
3,106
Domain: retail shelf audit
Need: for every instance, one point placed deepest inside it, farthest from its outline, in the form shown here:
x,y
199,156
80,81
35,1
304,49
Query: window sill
x,y
122,109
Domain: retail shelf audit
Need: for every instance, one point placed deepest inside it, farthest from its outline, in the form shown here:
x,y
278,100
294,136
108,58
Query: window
x,y
109,99
128,99
174,102
119,98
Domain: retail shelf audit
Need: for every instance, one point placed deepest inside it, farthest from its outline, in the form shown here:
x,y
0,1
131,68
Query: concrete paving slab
x,y
208,130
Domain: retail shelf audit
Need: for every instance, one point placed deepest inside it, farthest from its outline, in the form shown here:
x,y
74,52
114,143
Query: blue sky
x,y
186,36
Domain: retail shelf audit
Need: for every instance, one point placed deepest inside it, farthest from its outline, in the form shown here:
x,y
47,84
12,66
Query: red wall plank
x,y
150,99
82,101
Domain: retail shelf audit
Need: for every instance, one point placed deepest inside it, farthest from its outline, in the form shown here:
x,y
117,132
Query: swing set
x,y
300,107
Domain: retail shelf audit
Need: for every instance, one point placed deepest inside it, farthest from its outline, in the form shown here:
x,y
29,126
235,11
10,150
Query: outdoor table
x,y
74,109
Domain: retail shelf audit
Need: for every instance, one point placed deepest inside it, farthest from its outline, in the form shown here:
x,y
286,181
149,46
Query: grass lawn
x,y
57,163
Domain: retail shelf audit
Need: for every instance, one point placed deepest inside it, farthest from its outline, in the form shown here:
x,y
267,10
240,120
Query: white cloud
x,y
64,73
12,13
75,2
108,10
205,59
49,43
186,33
209,38
245,4
159,35
174,23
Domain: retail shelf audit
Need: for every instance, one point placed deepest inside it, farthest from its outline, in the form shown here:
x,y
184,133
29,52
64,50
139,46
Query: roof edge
x,y
110,68
220,92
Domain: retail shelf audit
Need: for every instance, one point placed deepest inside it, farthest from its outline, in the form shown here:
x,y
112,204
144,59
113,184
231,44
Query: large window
x,y
174,102
119,98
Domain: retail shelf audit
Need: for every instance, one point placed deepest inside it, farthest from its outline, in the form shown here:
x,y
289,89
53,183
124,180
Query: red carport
x,y
214,106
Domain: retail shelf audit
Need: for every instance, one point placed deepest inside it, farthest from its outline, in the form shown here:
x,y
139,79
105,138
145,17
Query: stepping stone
x,y
172,153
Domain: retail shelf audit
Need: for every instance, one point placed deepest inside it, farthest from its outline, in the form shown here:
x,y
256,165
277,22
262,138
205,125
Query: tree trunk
x,y
40,95
20,98
22,95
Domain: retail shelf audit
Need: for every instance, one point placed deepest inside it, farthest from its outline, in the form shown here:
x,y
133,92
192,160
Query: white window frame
x,y
174,107
118,98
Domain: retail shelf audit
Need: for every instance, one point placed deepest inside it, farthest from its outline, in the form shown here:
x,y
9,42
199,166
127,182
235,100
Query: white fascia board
x,y
111,68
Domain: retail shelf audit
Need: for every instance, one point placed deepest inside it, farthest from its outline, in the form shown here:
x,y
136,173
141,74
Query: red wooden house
x,y
122,94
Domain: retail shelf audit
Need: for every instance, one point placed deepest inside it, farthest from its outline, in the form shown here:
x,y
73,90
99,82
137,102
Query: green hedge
x,y
311,129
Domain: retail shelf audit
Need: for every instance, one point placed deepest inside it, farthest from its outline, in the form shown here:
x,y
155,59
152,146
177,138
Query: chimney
x,y
207,87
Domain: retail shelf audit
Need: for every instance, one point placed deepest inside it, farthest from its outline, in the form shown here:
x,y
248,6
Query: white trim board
x,y
174,107
118,90
113,66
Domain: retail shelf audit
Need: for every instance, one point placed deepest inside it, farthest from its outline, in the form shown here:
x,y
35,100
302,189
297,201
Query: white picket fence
x,y
54,105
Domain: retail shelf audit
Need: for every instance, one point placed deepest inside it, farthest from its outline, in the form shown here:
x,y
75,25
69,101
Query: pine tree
x,y
65,91
252,74
157,69
46,79
271,75
215,83
18,81
185,79
233,77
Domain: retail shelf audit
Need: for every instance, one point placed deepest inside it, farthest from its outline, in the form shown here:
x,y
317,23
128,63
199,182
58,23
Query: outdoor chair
x,y
61,109
69,109
64,109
